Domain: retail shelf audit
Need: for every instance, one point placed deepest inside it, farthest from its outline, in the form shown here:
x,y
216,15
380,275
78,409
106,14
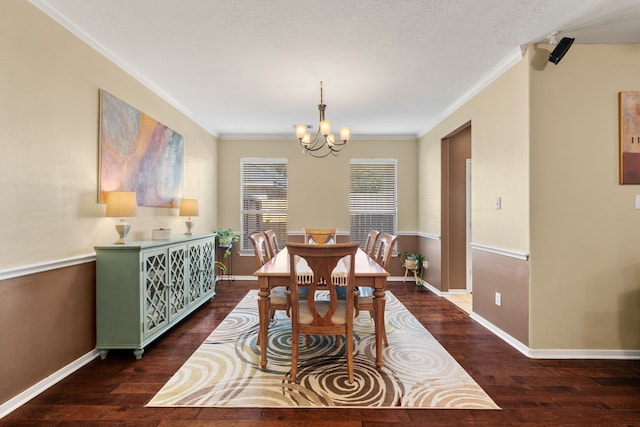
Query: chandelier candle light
x,y
324,142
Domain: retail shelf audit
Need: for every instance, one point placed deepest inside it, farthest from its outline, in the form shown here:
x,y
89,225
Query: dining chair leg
x,y
349,345
294,357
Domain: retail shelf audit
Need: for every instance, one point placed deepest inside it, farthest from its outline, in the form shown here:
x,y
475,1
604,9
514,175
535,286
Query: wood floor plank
x,y
530,392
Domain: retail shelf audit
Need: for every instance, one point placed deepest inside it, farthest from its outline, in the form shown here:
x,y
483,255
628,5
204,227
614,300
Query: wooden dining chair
x,y
313,316
371,243
272,242
364,302
278,298
385,249
261,248
320,236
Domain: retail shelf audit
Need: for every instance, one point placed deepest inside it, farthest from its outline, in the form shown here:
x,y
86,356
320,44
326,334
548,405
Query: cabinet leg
x,y
103,353
138,353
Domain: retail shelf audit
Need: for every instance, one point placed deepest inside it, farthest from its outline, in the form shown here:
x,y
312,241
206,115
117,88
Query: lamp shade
x,y
189,207
121,203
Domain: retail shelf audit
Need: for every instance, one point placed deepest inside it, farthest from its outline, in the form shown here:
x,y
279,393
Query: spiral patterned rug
x,y
417,371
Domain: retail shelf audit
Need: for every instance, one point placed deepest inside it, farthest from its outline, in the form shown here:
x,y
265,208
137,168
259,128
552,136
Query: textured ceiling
x,y
388,66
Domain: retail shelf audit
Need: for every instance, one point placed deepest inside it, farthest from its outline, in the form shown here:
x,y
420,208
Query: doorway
x,y
456,211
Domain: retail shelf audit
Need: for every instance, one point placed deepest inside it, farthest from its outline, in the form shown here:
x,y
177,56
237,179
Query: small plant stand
x,y
410,265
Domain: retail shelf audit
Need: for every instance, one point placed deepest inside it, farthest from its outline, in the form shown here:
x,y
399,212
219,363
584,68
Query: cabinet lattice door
x,y
177,279
155,301
207,267
195,272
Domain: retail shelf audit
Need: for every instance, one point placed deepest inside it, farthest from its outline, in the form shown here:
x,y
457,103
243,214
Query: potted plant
x,y
226,239
413,262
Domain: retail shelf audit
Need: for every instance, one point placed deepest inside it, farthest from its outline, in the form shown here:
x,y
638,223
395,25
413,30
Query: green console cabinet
x,y
144,288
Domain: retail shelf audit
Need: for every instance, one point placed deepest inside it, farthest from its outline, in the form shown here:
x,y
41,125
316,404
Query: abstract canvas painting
x,y
138,153
629,112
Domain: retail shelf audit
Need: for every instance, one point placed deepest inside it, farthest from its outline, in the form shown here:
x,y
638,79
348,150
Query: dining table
x,y
276,273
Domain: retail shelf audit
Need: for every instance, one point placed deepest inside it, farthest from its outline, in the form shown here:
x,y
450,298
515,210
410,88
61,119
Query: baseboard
x,y
556,353
433,289
33,391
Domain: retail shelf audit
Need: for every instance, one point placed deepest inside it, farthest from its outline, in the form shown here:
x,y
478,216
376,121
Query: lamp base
x,y
190,224
122,228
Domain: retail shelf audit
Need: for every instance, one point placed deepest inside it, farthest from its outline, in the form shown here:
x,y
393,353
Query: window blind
x,y
264,198
372,197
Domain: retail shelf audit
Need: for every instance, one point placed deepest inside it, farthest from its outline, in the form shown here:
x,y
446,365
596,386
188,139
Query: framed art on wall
x,y
138,153
629,130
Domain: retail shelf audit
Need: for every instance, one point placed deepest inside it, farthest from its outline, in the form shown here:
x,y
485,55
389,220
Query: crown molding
x,y
45,7
291,137
509,61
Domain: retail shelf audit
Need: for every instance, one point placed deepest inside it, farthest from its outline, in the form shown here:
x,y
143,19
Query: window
x,y
263,185
372,197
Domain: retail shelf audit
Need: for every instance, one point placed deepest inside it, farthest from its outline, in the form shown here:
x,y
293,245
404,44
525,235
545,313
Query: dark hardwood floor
x,y
113,392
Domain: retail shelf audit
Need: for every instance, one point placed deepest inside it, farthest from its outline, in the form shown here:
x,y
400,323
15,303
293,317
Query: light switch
x,y
637,201
499,202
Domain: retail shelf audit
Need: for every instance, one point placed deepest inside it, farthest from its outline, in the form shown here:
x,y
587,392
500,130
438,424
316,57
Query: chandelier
x,y
324,142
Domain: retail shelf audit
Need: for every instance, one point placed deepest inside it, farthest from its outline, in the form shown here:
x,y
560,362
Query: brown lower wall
x,y
431,248
510,277
47,321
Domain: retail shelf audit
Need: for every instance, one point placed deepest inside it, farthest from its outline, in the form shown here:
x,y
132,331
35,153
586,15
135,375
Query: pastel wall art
x,y
138,153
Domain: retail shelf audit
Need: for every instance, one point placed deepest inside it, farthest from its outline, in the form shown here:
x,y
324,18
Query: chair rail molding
x,y
25,270
499,251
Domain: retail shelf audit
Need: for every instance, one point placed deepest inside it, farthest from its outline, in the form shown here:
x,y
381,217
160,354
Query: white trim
x,y
409,137
264,160
26,270
501,334
432,288
509,61
33,391
132,71
499,251
456,292
556,353
584,354
429,236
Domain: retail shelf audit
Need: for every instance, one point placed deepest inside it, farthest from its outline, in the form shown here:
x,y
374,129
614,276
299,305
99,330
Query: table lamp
x,y
189,207
122,204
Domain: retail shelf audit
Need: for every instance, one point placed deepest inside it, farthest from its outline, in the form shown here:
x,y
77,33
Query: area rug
x,y
417,371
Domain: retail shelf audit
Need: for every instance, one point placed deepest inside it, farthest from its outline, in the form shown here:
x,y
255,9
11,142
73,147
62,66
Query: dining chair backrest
x,y
370,244
272,242
322,267
260,248
320,236
385,249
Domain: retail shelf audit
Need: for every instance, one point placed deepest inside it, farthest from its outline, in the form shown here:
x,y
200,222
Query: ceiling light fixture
x,y
324,142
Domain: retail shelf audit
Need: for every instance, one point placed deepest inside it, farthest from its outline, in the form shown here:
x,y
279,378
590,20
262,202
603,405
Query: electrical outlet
x,y
498,299
425,265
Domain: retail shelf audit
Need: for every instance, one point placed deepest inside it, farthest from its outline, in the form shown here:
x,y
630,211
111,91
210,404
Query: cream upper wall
x,y
545,138
49,86
585,269
499,117
318,189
